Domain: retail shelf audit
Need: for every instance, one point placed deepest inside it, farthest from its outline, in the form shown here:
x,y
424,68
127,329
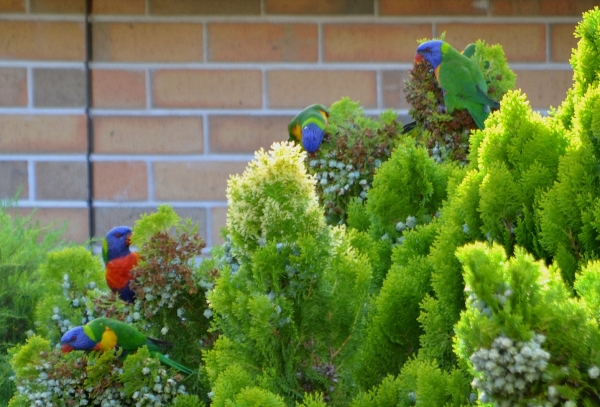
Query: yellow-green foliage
x,y
312,400
71,277
421,383
498,75
25,358
23,246
569,219
256,397
273,200
519,304
149,224
409,184
295,291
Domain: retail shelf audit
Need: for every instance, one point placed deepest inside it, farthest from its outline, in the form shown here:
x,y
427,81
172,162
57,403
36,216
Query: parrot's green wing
x,y
464,86
105,250
128,338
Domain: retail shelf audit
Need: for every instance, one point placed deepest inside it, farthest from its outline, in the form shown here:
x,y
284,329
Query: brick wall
x,y
182,92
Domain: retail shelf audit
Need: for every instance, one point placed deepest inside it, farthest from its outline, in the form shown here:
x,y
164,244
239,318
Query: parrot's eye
x,y
117,235
73,338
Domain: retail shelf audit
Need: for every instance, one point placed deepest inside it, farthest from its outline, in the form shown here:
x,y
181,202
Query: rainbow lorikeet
x,y
308,127
119,261
102,334
460,78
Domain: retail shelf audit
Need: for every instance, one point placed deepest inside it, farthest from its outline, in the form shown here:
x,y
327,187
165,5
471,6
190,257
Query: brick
x,y
429,7
118,7
392,88
572,7
562,42
542,7
246,134
204,7
238,89
219,219
43,134
188,181
319,7
42,40
298,89
372,42
12,6
147,42
58,181
510,36
13,87
148,135
240,42
536,85
120,89
107,218
13,177
59,87
120,181
512,7
57,6
76,221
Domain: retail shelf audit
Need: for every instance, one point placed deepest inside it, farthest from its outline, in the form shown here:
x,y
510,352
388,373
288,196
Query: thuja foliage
x,y
571,210
171,286
291,293
23,246
524,336
446,136
354,146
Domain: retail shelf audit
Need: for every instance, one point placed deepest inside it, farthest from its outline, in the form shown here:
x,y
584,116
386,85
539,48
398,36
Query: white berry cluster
x,y
336,177
228,257
503,293
436,153
162,393
508,369
52,387
339,180
63,324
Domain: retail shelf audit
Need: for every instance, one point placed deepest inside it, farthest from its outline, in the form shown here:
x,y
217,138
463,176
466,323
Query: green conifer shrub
x,y
23,246
569,214
353,147
291,293
523,335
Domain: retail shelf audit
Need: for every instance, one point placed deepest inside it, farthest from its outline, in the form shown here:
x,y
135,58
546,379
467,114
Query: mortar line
x,y
31,179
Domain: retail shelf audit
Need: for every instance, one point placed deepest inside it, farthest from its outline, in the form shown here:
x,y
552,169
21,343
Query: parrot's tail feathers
x,y
173,364
160,344
408,127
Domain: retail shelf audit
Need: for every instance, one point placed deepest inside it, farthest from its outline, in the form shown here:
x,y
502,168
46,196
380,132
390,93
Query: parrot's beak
x,y
128,239
419,58
65,348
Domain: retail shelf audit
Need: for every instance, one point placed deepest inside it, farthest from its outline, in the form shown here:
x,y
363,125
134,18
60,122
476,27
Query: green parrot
x,y
102,334
460,78
308,127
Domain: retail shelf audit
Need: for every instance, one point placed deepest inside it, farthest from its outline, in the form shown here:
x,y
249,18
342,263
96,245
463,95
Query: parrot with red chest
x,y
119,261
